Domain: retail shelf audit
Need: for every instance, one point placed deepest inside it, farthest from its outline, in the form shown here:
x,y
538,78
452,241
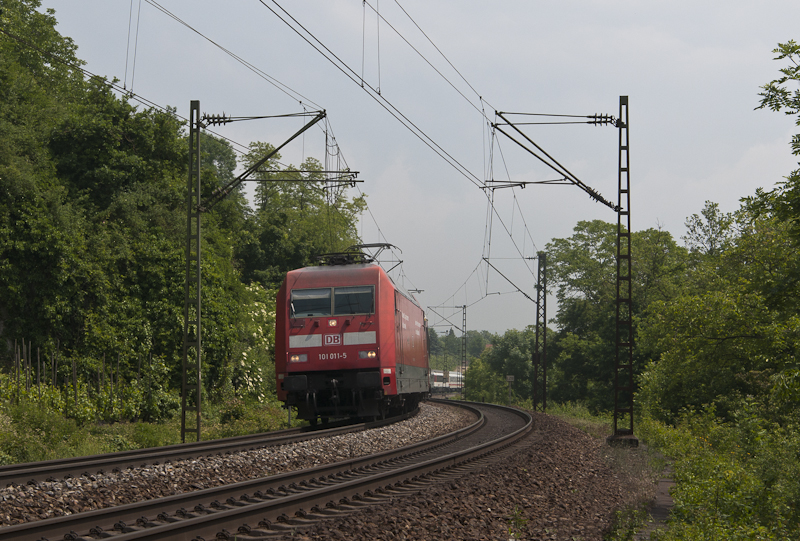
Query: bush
x,y
154,435
115,443
253,418
232,410
37,433
735,480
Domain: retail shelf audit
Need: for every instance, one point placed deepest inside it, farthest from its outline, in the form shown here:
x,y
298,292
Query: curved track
x,y
292,499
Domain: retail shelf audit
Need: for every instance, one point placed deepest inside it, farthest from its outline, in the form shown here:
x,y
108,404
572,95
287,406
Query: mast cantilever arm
x,y
555,166
220,193
507,280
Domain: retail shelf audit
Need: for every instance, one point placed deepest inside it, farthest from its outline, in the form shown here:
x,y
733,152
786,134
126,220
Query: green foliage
x,y
735,480
710,233
34,433
92,256
297,218
484,384
579,415
583,270
721,392
517,523
232,410
82,411
92,238
254,375
434,342
239,417
154,435
734,329
778,95
511,355
445,350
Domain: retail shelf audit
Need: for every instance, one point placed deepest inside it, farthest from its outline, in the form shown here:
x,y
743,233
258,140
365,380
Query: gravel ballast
x,y
559,486
28,503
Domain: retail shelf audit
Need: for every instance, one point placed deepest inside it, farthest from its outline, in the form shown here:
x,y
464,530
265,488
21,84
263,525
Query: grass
x,y
31,432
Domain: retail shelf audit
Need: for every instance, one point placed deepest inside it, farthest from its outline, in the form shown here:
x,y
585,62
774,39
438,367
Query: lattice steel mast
x,y
623,357
191,389
191,380
540,340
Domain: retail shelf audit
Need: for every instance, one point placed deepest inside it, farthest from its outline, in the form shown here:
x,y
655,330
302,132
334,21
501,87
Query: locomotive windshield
x,y
339,301
353,300
311,302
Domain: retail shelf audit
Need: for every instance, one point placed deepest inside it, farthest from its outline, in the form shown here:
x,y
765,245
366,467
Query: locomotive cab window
x,y
353,300
311,302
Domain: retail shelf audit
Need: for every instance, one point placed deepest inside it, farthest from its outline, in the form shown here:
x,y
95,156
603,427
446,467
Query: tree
x,y
476,343
510,355
297,218
710,233
719,340
583,269
92,218
483,384
434,343
777,96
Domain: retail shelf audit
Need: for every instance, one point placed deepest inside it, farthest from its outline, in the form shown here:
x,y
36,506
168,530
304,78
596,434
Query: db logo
x,y
333,340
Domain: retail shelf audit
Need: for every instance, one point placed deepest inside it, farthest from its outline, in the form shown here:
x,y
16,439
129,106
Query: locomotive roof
x,y
342,272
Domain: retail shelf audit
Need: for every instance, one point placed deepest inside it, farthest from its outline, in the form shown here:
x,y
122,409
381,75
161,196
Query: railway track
x,y
33,472
290,500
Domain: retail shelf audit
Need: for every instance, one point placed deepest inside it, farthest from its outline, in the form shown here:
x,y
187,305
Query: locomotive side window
x,y
311,302
354,300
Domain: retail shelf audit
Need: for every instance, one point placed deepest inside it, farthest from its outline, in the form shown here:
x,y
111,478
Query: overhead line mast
x,y
623,341
191,382
623,351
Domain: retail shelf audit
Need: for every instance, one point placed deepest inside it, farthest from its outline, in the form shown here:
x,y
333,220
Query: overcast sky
x,y
692,71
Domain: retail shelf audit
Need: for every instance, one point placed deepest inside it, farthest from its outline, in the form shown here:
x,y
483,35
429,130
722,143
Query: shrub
x,y
154,435
735,480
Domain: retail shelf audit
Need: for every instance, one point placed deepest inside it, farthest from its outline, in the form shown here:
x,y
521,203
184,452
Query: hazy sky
x,y
692,71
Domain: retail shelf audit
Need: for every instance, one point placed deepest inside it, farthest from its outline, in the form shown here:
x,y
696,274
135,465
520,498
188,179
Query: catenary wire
x,y
424,58
129,94
345,69
136,43
293,94
443,56
128,46
372,92
147,102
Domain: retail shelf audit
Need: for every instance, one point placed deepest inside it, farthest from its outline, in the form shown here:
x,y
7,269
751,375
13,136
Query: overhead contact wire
x,y
136,43
293,94
382,101
424,58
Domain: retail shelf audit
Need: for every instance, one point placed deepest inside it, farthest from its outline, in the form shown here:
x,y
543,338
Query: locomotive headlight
x,y
332,323
367,354
301,358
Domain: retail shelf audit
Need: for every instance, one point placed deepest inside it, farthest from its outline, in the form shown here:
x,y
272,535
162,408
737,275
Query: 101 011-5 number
x,y
332,356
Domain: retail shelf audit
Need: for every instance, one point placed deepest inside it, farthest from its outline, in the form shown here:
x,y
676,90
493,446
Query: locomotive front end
x,y
328,357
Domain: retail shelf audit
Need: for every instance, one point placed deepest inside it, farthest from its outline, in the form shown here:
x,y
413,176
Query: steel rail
x,y
77,466
273,496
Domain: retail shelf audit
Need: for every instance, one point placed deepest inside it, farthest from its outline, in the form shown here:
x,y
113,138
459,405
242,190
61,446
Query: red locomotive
x,y
348,341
